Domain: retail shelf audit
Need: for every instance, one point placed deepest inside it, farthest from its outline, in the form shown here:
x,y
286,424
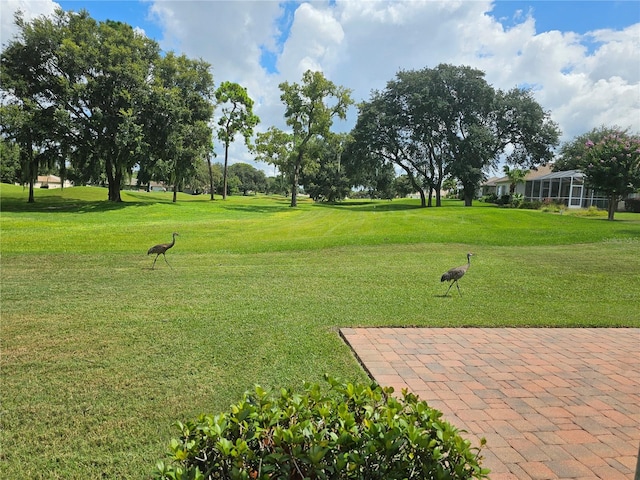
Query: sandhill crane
x,y
456,274
162,249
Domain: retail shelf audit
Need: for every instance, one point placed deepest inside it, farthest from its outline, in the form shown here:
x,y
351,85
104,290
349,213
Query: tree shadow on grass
x,y
257,208
274,206
66,205
369,206
77,200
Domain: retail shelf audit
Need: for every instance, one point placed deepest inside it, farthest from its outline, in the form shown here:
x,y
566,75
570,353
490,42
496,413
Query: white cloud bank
x,y
584,80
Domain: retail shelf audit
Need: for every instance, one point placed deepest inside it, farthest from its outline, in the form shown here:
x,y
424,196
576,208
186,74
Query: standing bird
x,y
162,249
456,274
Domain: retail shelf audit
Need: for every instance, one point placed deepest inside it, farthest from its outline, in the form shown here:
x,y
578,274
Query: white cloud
x,y
30,9
584,80
382,38
229,35
617,54
314,42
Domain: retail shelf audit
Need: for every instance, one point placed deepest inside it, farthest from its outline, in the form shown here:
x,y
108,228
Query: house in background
x,y
132,184
544,185
565,187
51,181
488,187
500,185
157,187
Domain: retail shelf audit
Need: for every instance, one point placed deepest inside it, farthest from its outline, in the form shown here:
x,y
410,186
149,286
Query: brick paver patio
x,y
552,403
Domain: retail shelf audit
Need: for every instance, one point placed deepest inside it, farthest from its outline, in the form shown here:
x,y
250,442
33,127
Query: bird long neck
x,y
173,242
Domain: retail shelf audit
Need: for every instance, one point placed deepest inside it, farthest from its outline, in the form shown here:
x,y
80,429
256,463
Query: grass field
x,y
101,354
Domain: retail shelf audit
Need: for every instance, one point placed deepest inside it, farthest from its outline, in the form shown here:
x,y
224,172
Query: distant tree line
x,y
98,102
432,125
95,101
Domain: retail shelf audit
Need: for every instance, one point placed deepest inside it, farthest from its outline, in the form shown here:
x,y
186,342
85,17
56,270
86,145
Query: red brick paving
x,y
552,403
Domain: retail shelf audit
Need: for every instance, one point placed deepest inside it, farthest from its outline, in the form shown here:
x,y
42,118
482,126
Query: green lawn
x,y
101,354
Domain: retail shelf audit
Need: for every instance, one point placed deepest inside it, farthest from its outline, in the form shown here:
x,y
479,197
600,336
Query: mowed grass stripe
x,y
254,224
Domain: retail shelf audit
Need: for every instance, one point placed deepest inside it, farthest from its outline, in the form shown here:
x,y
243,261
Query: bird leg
x,y
165,259
458,286
450,285
154,261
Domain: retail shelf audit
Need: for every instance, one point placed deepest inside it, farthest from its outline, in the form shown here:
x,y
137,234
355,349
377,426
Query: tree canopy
x,y
448,121
100,96
248,178
310,109
237,118
571,153
276,147
326,179
177,120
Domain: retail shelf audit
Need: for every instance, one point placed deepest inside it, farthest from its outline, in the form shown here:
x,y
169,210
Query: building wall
x,y
569,190
50,181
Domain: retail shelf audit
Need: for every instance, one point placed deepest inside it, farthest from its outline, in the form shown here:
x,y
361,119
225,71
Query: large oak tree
x,y
448,121
177,115
106,69
31,116
89,93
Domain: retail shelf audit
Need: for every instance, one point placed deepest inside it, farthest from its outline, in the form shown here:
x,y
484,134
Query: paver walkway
x,y
552,403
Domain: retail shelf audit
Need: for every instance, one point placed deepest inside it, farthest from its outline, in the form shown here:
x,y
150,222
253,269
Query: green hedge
x,y
344,432
632,205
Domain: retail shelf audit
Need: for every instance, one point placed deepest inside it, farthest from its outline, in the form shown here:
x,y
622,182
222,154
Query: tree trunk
x,y
114,192
114,188
468,196
109,171
175,193
31,197
224,173
423,198
613,200
439,186
32,170
296,179
33,175
114,180
63,173
210,177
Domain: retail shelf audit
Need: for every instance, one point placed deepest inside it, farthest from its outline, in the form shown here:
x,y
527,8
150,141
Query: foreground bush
x,y
345,432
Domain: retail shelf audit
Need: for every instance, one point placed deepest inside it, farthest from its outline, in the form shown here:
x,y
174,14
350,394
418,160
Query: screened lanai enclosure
x,y
564,187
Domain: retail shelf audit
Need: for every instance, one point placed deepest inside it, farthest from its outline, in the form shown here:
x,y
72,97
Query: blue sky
x,y
565,16
573,15
134,13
